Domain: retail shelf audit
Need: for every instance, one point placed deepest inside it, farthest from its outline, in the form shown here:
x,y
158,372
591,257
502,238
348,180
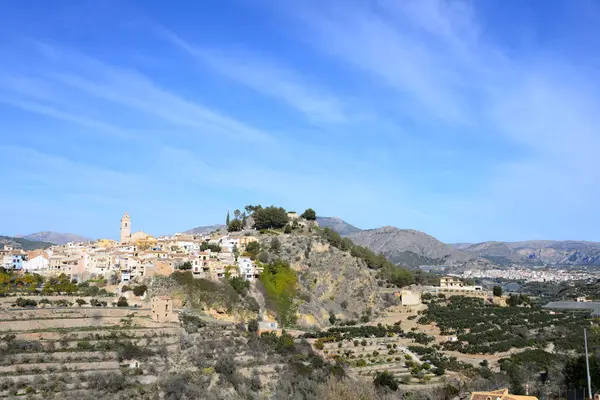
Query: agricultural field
x,y
370,350
57,351
482,328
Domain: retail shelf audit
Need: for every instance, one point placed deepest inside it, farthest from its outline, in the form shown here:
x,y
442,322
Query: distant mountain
x,y
56,238
412,248
536,252
203,230
338,225
22,243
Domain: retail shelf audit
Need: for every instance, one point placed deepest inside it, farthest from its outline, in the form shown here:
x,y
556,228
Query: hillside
x,y
56,237
329,279
535,252
202,230
23,243
338,225
410,248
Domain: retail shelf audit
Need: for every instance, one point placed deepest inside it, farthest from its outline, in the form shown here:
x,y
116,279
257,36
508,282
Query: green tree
x,y
252,209
227,219
140,290
210,246
236,214
253,326
239,284
235,226
253,248
280,282
332,317
236,252
309,214
497,291
270,218
287,229
186,266
122,302
275,245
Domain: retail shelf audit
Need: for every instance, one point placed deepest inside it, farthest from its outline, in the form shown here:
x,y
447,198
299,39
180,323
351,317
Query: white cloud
x,y
90,79
273,80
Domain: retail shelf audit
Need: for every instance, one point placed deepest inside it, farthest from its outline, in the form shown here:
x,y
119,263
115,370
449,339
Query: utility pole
x,y
587,364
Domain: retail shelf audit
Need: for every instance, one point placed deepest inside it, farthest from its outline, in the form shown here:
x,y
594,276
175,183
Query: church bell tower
x,y
125,228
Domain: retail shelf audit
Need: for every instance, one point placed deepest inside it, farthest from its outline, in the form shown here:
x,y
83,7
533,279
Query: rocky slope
x,y
338,225
410,248
535,252
21,243
56,238
329,279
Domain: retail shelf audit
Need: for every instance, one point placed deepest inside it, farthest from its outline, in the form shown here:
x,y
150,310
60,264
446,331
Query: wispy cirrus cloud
x,y
444,72
91,79
269,78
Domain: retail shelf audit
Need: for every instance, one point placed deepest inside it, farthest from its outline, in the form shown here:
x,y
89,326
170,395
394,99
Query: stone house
x,y
162,309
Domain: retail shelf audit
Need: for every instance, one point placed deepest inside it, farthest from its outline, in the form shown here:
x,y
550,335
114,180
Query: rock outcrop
x,y
330,280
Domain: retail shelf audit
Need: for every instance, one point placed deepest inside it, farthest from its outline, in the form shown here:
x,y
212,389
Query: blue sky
x,y
470,121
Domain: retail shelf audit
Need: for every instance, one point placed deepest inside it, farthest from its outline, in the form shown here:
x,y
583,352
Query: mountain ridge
x,y
536,252
337,224
202,230
55,237
410,247
22,243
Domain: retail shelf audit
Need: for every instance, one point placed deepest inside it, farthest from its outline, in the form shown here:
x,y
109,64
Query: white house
x,y
227,242
38,263
247,269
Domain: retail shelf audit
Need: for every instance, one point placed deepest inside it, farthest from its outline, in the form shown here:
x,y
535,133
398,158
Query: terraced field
x,y
60,351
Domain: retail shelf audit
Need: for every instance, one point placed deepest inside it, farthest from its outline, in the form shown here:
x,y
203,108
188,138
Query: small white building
x,y
247,268
37,264
125,276
228,243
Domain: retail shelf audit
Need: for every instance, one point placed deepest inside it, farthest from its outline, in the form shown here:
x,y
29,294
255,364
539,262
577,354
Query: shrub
x,y
225,365
80,302
21,302
239,284
253,326
140,290
122,302
383,379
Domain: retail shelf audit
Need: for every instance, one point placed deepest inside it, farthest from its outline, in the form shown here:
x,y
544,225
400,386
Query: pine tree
x,y
227,219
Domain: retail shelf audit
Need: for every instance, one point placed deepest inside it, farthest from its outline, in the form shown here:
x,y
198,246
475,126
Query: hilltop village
x,y
140,255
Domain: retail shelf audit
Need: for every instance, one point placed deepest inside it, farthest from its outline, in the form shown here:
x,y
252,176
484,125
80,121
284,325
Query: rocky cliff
x,y
329,279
